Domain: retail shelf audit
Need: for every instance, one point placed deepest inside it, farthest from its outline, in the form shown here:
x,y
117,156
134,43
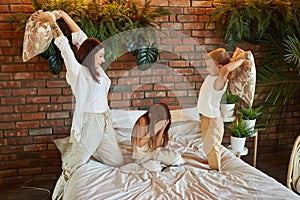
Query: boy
x,y
214,86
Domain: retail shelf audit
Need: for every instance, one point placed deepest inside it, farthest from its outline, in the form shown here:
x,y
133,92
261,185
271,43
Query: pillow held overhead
x,y
37,38
243,79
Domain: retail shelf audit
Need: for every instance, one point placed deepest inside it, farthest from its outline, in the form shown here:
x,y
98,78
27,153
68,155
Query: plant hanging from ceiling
x,y
274,24
103,21
249,19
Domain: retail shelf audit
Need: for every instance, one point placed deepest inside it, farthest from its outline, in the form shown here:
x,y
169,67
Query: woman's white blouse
x,y
90,96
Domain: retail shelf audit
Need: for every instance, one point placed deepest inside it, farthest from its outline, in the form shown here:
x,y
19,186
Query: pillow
x,y
242,80
127,118
297,186
37,38
186,114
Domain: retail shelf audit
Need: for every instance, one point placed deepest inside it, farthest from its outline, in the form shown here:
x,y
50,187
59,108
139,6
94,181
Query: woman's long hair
x,y
86,55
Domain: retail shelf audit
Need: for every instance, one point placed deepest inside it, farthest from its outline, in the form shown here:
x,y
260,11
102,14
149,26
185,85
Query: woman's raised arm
x,y
50,18
62,43
68,20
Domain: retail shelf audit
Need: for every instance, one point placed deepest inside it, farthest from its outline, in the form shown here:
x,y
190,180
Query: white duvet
x,y
192,180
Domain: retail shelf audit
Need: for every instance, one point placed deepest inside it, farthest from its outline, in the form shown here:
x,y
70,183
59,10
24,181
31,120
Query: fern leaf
x,y
292,44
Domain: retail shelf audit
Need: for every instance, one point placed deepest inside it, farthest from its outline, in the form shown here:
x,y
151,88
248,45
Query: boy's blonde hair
x,y
219,56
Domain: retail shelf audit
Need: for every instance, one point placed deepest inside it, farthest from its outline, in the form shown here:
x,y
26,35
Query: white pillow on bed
x,y
186,114
127,118
124,121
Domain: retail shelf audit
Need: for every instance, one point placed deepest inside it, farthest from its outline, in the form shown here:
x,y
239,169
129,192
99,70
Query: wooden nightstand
x,y
255,147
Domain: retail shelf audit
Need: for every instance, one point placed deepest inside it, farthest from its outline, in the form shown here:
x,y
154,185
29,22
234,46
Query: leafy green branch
x,y
275,25
103,21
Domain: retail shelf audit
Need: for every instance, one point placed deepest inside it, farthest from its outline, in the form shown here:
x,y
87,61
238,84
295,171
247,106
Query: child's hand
x,y
161,124
247,63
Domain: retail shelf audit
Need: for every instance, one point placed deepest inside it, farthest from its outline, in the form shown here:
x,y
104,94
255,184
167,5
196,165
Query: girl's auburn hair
x,y
155,113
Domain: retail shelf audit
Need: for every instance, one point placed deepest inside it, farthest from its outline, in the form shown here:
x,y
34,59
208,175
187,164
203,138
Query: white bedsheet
x,y
193,180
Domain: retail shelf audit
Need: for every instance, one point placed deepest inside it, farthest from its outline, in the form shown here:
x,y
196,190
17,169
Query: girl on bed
x,y
150,137
214,86
92,132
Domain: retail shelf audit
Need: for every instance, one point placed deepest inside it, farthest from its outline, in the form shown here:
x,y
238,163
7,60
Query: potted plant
x,y
227,105
249,115
239,131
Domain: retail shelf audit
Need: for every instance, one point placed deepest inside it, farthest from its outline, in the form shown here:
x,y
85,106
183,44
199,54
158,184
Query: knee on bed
x,y
214,160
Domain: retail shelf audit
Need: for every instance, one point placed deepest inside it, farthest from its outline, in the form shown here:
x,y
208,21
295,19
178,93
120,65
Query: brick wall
x,y
36,106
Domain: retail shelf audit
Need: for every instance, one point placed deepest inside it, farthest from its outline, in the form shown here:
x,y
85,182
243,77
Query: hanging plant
x,y
102,21
145,51
55,61
248,19
274,24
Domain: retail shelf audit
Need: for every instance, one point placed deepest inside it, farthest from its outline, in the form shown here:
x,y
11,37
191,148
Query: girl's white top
x,y
209,99
90,96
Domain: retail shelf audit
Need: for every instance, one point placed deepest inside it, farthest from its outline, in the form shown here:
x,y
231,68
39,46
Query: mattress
x,y
191,180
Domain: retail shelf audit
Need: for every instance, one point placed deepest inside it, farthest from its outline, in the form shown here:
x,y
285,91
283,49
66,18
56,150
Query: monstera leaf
x,y
55,64
135,43
146,57
146,53
55,61
50,51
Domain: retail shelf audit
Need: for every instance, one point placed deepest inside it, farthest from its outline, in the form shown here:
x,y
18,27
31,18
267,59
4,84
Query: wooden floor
x,y
274,165
37,189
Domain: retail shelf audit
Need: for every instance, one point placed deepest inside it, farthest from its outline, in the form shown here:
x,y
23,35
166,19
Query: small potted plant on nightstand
x,y
249,115
239,131
227,106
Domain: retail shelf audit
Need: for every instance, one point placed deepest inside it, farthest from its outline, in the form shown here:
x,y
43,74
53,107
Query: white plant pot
x,y
237,144
227,110
250,123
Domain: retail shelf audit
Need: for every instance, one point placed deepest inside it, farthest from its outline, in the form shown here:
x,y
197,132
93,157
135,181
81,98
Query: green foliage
x,y
55,65
103,21
239,129
106,20
248,19
36,4
20,19
146,56
250,113
54,58
278,79
292,45
230,98
274,24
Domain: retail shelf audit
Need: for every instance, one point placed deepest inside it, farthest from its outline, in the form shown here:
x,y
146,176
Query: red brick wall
x,y
36,106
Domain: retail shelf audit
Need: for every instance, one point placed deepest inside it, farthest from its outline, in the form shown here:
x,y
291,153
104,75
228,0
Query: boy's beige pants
x,y
212,135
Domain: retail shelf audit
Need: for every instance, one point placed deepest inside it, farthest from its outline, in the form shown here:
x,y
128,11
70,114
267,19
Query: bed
x,y
192,180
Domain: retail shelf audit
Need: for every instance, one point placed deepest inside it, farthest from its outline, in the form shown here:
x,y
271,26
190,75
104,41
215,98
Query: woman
x,y
150,136
92,133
